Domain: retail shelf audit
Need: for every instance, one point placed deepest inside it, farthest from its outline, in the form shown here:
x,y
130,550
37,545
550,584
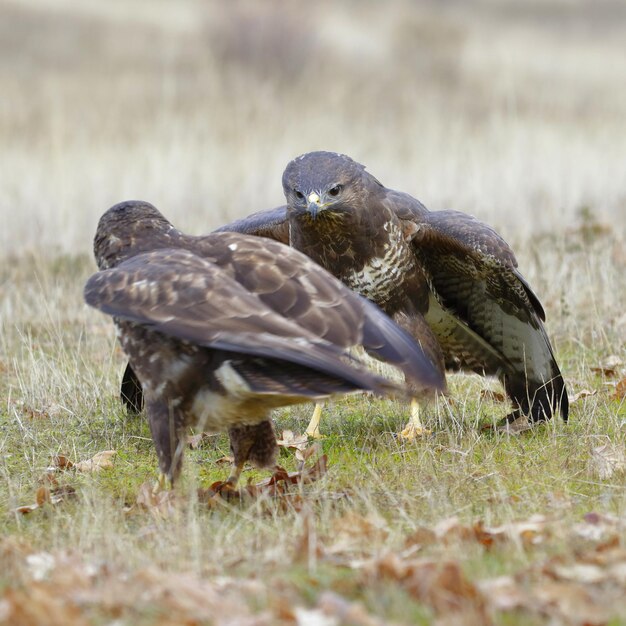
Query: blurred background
x,y
512,110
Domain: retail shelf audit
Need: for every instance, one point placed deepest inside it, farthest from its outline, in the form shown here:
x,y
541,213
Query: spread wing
x,y
482,310
271,223
296,287
182,295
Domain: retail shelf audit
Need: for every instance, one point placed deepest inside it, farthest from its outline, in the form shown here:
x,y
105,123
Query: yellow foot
x,y
162,484
314,434
412,431
313,429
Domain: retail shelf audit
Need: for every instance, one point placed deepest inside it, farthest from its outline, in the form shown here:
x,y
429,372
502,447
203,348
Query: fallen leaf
x,y
45,495
276,485
225,460
59,462
504,593
292,441
40,603
620,390
609,366
195,441
517,426
354,533
40,564
27,508
421,536
578,572
440,584
607,459
345,612
100,461
303,455
572,602
160,503
583,393
492,396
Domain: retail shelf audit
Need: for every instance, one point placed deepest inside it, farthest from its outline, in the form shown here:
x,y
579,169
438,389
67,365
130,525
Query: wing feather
x,y
271,223
489,314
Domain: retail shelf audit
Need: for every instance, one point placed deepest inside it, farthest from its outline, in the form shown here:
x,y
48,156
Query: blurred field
x,y
513,111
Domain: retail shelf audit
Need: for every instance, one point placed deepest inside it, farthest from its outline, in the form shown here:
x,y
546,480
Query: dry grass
x,y
512,111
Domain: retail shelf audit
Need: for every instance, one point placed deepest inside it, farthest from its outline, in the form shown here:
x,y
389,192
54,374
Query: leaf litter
x,y
585,585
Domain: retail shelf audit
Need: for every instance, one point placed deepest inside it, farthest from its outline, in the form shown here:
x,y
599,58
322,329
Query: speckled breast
x,y
383,277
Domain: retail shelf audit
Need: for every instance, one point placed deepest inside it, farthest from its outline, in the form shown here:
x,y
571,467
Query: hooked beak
x,y
315,204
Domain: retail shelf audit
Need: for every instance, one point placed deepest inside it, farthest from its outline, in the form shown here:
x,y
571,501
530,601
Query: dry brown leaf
x,y
620,390
607,459
40,603
315,449
45,495
354,533
275,486
345,612
504,593
369,528
272,485
609,366
421,536
451,530
492,396
585,573
583,393
27,508
439,584
195,441
100,461
517,426
159,503
529,532
225,460
293,441
62,462
570,601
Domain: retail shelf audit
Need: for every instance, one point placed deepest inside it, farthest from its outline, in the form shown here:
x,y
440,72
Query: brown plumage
x,y
224,328
447,278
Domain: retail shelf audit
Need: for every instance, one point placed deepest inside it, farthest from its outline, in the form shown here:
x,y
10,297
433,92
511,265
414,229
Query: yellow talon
x,y
414,429
162,483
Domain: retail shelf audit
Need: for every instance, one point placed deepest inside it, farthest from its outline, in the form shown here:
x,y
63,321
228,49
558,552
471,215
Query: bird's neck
x,y
339,241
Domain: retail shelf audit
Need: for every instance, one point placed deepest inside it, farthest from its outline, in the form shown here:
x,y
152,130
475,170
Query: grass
x,y
61,370
508,110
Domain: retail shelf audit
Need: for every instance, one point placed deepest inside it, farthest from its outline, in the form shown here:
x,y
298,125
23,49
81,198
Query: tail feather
x,y
383,338
540,400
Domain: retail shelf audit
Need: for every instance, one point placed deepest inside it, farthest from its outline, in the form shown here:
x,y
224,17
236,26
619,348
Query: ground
x,y
511,111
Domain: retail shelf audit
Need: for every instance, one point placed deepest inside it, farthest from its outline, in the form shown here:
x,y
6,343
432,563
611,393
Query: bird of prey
x,y
222,329
450,280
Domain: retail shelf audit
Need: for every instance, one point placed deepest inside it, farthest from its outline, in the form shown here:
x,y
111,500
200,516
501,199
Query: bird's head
x,y
322,184
127,229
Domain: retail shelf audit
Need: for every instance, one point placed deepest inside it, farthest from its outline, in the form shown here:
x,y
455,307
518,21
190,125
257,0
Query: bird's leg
x,y
313,429
414,428
166,428
255,443
235,473
163,483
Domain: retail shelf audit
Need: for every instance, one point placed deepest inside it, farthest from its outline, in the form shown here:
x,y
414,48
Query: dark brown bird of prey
x,y
448,279
222,329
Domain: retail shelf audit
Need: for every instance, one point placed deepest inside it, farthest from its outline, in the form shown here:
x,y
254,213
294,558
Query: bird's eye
x,y
299,194
334,191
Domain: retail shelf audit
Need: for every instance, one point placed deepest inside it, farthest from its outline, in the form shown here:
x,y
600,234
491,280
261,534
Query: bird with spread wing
x,y
221,329
450,280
